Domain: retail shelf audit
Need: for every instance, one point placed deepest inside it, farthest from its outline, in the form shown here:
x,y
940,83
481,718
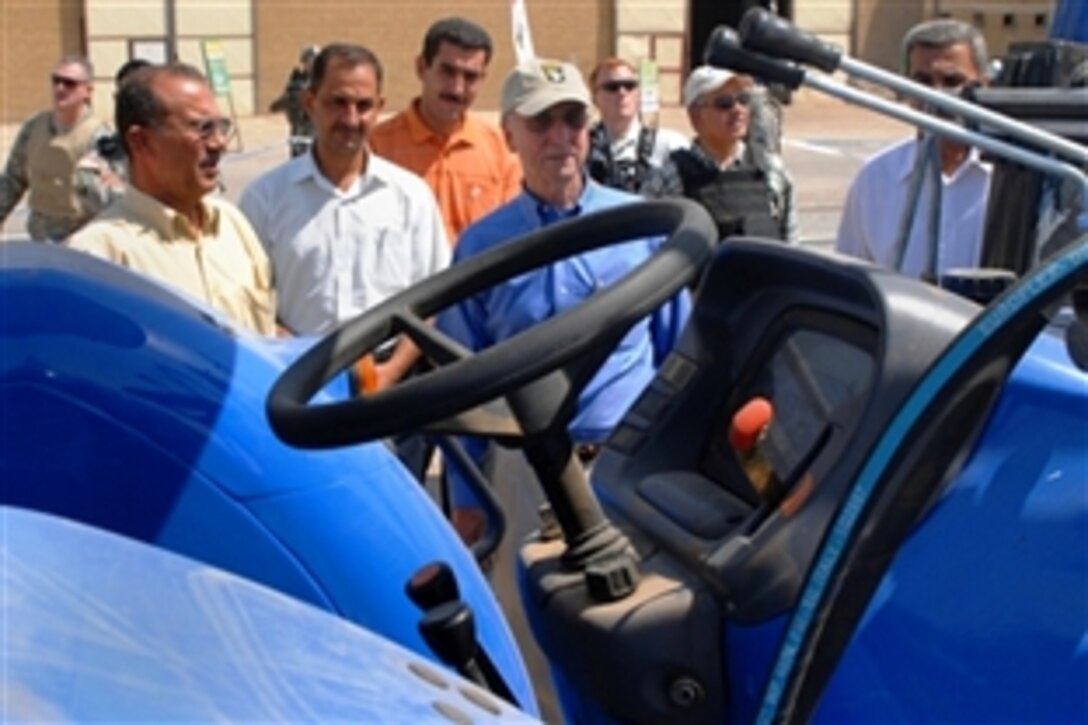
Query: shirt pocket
x,y
386,261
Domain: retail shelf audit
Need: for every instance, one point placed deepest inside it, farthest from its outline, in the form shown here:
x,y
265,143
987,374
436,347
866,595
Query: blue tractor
x,y
905,539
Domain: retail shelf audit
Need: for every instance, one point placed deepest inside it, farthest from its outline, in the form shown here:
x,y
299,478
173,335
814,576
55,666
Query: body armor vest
x,y
625,174
739,199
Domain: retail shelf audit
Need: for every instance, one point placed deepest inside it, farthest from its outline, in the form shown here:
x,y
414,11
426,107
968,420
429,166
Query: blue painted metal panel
x,y
1070,21
129,408
102,628
983,614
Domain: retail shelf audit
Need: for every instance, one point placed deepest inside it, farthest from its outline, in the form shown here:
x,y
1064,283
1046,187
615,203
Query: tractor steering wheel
x,y
446,399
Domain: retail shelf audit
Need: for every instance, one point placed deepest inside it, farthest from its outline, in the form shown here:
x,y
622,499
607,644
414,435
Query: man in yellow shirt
x,y
464,160
166,225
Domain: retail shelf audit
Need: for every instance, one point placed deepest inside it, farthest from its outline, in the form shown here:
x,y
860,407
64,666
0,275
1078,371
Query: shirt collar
x,y
419,132
908,161
304,168
167,221
542,213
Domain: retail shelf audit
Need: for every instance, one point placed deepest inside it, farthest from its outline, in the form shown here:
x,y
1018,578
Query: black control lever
x,y
449,628
765,32
723,50
450,631
432,585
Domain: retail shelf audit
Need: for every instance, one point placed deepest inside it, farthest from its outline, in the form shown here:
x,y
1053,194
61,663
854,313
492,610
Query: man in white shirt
x,y
946,55
622,149
345,229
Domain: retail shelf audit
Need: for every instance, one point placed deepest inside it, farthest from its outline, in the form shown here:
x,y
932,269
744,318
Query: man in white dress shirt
x,y
946,55
345,229
622,149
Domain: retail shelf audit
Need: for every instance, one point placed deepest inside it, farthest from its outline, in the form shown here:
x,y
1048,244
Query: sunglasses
x,y
950,81
727,101
65,81
617,86
575,119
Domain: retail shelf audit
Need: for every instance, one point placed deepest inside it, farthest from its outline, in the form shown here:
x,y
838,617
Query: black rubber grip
x,y
765,32
723,50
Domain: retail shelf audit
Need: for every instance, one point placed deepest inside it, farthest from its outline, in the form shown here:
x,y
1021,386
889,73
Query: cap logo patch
x,y
553,72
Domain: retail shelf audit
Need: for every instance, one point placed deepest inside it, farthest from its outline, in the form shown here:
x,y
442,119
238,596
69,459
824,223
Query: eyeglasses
x,y
68,83
575,118
950,81
617,86
727,101
205,128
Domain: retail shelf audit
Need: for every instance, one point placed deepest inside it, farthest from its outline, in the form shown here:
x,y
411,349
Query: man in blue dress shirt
x,y
545,117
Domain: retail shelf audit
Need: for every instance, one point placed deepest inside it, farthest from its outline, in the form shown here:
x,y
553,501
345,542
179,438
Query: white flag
x,y
523,39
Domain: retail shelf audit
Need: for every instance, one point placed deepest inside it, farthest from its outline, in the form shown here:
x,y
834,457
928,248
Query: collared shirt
x,y
522,302
471,171
221,263
336,253
625,148
871,217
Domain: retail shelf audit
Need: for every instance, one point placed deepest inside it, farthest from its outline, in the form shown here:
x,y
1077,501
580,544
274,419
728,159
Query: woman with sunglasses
x,y
742,183
622,150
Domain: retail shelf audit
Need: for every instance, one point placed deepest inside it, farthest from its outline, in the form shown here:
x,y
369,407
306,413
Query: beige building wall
x,y
1003,23
121,29
34,34
262,38
829,20
655,30
575,30
879,25
231,23
111,26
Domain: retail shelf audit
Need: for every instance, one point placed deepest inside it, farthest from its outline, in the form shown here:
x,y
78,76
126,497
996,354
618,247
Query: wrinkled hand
x,y
365,372
372,377
384,376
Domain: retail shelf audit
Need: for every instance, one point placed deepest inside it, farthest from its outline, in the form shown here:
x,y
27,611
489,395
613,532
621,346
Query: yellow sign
x,y
215,66
649,87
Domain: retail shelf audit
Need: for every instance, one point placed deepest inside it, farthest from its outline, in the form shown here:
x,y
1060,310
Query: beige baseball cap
x,y
539,84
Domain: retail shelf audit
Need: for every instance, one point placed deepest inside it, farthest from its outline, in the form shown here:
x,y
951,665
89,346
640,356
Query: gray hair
x,y
138,104
944,33
82,62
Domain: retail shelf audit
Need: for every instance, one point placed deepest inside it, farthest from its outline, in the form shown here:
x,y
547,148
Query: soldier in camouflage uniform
x,y
290,102
106,165
44,159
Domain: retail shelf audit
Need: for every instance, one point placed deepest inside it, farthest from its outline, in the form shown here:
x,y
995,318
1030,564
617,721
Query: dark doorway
x,y
705,15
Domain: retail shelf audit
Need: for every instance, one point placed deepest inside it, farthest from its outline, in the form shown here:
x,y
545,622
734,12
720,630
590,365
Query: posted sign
x,y
215,66
648,81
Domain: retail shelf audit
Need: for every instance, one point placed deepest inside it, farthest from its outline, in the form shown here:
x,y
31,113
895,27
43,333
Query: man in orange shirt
x,y
464,160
